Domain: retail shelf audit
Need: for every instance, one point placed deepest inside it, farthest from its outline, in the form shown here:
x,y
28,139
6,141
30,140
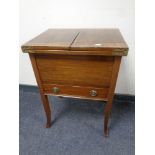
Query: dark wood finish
x,y
108,42
99,39
43,96
80,63
66,70
108,106
106,52
76,91
52,39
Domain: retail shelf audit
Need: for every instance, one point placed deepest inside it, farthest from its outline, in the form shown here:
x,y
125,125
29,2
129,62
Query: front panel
x,y
94,71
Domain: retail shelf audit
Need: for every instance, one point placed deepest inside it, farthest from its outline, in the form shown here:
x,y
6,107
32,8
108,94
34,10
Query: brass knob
x,y
55,90
93,93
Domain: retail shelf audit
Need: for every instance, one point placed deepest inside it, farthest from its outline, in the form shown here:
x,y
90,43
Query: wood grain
x,y
99,39
77,63
106,42
52,39
75,70
108,105
76,91
43,96
106,52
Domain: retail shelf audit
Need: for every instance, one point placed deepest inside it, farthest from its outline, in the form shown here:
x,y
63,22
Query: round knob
x,y
93,93
56,90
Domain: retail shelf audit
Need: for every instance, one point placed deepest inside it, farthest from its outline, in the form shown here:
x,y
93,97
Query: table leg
x,y
108,105
107,112
47,110
43,96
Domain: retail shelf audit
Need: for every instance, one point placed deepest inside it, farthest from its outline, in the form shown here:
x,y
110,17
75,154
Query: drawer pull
x,y
93,93
56,90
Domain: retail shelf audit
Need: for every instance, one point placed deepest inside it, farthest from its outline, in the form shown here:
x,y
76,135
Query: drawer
x,y
75,70
76,91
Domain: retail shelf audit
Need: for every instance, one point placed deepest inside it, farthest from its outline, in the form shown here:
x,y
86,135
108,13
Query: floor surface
x,y
77,127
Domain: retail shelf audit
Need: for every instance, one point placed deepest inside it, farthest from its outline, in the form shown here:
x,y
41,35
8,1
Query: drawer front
x,y
93,71
76,91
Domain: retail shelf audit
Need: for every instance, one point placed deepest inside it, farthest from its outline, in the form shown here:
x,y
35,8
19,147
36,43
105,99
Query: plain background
x,y
145,77
37,15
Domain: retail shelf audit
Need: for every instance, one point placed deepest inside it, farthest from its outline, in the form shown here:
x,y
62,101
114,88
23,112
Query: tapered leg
x,y
108,105
107,112
47,110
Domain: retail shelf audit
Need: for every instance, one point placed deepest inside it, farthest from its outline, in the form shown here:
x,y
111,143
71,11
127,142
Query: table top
x,y
78,41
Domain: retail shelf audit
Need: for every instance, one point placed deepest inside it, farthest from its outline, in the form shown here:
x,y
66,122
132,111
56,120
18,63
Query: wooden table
x,y
79,63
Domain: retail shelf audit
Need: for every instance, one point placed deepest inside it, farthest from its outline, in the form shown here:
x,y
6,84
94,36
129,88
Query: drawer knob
x,y
56,90
93,93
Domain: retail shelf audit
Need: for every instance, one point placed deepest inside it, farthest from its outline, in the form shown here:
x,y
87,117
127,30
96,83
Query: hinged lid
x,y
52,39
78,42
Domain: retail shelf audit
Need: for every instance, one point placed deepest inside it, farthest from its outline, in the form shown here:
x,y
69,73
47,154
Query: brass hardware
x,y
25,48
119,52
93,93
55,90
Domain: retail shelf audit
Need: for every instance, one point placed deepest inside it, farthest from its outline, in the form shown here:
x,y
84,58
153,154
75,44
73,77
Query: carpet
x,y
77,127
